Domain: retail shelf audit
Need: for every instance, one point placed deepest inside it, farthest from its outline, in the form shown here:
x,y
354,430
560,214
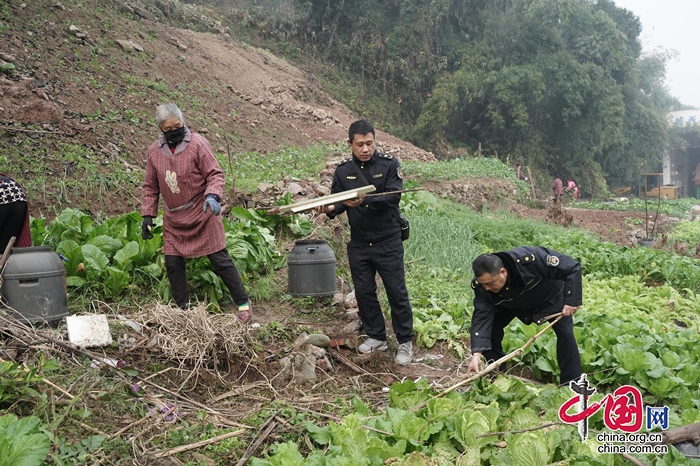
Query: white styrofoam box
x,y
88,331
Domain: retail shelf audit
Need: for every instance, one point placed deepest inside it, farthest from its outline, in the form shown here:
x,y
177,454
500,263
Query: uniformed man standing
x,y
375,240
530,283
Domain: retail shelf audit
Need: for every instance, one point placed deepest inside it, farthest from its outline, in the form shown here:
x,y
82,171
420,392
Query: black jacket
x,y
373,221
540,282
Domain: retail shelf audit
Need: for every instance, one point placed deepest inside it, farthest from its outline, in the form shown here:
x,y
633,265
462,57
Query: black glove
x,y
146,228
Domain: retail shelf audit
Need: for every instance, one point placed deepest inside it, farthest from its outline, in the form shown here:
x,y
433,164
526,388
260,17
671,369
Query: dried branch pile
x,y
196,336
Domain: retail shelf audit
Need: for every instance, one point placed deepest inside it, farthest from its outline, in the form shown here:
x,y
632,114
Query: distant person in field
x,y
14,214
532,284
183,170
557,189
572,188
696,180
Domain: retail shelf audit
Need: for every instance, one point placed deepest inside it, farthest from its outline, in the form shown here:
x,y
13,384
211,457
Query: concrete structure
x,y
679,165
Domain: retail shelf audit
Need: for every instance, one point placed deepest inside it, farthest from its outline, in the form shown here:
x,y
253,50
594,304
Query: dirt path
x,y
622,228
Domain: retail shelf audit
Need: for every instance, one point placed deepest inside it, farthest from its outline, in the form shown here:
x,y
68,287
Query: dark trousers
x,y
567,349
224,268
386,258
12,217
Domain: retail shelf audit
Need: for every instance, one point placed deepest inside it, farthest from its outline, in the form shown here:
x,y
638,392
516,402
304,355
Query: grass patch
x,y
686,231
672,207
441,240
67,175
500,231
251,168
486,167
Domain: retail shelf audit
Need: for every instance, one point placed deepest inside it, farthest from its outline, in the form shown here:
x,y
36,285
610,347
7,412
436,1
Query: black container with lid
x,y
34,285
311,269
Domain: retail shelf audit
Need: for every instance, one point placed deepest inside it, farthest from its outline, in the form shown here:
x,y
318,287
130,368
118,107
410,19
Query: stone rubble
x,y
128,45
306,356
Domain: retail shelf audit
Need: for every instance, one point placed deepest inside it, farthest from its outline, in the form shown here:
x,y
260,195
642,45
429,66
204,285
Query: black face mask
x,y
175,136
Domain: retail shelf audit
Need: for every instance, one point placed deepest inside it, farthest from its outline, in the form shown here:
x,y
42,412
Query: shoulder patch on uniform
x,y
552,261
528,259
386,156
345,161
475,284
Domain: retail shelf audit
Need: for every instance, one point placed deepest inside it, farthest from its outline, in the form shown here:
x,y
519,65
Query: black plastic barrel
x,y
34,285
311,269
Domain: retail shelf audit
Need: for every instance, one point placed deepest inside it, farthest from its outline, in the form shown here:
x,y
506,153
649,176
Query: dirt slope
x,y
90,74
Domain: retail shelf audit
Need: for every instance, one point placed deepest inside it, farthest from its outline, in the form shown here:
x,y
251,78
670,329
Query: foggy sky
x,y
672,25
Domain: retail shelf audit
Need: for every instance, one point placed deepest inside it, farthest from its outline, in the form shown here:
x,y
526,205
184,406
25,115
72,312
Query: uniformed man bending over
x,y
375,240
529,283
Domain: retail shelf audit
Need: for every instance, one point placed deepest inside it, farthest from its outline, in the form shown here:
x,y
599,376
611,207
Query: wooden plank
x,y
308,204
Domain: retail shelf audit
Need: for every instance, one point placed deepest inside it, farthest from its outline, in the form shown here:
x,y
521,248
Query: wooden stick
x,y
196,403
125,428
46,381
493,365
328,416
5,255
543,426
336,354
656,218
532,183
337,419
158,373
545,319
632,460
192,446
395,192
254,446
90,428
240,390
53,385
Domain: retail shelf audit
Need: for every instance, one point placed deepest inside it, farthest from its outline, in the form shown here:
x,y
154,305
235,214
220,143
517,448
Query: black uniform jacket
x,y
540,282
373,220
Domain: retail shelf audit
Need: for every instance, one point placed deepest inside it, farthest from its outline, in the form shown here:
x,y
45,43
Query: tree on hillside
x,y
558,83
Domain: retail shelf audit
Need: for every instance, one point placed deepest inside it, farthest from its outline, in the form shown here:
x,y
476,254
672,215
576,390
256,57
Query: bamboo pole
x,y
532,183
493,365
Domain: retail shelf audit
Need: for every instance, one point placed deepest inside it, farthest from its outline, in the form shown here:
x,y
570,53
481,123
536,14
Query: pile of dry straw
x,y
196,335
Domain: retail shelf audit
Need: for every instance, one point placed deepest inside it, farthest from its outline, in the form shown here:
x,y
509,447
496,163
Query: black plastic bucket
x,y
35,286
647,242
311,269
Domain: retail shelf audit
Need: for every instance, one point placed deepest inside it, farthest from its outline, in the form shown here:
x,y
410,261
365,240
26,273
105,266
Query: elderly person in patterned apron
x,y
14,214
182,168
